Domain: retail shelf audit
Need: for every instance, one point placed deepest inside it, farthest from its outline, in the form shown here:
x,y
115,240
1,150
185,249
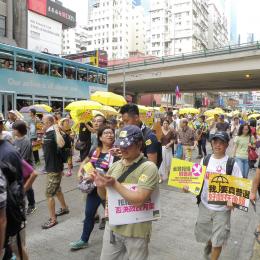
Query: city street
x,y
172,236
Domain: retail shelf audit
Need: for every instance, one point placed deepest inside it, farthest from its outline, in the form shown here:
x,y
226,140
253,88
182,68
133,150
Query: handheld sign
x,y
223,188
120,212
186,174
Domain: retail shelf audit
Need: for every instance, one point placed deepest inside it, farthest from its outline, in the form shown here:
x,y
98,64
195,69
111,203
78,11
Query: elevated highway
x,y
234,68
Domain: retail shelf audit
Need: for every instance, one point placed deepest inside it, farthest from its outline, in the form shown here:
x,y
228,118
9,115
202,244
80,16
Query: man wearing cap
x,y
213,222
4,135
130,239
12,117
186,137
222,125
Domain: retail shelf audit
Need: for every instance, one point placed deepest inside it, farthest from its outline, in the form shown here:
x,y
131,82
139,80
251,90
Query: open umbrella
x,y
254,116
143,109
38,109
109,111
189,110
95,113
46,107
84,105
216,111
108,98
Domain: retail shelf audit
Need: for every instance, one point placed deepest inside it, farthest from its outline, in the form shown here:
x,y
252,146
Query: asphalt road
x,y
172,237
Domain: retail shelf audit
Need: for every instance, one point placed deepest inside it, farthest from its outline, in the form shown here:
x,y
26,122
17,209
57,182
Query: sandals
x,y
61,212
257,236
49,224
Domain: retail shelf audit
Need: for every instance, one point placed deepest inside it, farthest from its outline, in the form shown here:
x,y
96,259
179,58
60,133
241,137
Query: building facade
x,y
182,26
116,27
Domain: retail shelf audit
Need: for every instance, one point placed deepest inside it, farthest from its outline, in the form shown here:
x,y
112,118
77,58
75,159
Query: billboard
x,y
54,11
43,34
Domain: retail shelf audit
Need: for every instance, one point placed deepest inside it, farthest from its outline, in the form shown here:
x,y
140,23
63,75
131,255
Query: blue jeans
x,y
244,166
92,203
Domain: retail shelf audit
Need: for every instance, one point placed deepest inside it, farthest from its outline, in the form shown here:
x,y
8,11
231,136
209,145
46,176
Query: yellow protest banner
x,y
186,174
223,188
147,118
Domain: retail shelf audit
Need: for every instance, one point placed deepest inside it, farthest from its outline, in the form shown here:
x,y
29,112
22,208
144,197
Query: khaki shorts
x,y
53,184
212,226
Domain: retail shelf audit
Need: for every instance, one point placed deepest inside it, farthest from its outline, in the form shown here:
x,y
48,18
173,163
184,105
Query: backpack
x,y
229,170
15,205
148,132
65,151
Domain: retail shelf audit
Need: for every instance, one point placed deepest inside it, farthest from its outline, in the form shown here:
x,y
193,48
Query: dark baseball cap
x,y
128,135
220,135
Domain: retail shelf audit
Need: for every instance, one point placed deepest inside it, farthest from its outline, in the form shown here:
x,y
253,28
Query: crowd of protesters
x,y
107,150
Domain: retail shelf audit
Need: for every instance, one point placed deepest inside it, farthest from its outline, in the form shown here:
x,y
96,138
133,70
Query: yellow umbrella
x,y
44,106
84,105
143,109
188,110
108,98
255,116
216,111
109,111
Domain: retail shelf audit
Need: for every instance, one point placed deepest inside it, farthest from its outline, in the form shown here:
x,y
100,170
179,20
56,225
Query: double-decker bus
x,y
95,58
28,78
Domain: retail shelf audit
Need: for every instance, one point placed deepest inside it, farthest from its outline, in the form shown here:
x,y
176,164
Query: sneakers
x,y
30,210
102,224
207,251
68,173
77,245
61,212
49,224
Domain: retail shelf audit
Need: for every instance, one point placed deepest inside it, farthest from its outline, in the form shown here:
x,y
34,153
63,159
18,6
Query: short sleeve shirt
x,y
146,177
242,146
3,194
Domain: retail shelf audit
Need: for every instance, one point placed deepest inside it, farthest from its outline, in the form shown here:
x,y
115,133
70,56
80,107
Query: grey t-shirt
x,y
24,147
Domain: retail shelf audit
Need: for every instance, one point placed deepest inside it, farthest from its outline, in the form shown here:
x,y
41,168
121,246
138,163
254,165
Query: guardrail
x,y
187,56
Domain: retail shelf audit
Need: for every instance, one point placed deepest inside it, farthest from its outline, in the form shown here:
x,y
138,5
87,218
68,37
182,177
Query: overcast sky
x,y
248,15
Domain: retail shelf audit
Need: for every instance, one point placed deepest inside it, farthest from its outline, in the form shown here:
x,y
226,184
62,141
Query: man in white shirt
x,y
213,223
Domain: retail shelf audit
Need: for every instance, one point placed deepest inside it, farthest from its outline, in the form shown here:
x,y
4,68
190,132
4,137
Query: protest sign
x,y
147,118
121,212
186,174
223,188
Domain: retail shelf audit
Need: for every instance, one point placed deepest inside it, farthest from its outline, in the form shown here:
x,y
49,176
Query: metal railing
x,y
230,49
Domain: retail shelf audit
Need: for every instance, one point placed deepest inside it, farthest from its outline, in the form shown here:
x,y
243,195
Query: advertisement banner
x,y
44,34
186,174
120,212
61,14
223,188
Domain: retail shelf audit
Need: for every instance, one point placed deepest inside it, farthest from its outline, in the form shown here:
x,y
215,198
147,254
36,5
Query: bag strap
x,y
206,160
131,169
230,165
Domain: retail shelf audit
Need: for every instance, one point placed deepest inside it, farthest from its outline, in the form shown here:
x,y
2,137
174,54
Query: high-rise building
x,y
75,40
178,26
116,27
182,26
217,27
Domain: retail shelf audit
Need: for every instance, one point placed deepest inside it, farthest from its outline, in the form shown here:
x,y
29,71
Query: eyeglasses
x,y
108,133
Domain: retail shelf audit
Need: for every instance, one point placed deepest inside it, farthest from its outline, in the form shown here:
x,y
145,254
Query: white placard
x,y
120,212
44,34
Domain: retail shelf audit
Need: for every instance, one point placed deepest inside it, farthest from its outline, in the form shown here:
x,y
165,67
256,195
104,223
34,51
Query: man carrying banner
x,y
129,239
213,223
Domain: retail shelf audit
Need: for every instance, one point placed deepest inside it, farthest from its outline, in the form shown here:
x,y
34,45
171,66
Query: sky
x,y
248,16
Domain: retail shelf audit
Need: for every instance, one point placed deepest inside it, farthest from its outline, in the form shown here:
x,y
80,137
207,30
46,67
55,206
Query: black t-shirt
x,y
84,133
10,155
53,160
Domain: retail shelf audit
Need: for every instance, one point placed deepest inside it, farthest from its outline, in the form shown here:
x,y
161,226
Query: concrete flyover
x,y
227,69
